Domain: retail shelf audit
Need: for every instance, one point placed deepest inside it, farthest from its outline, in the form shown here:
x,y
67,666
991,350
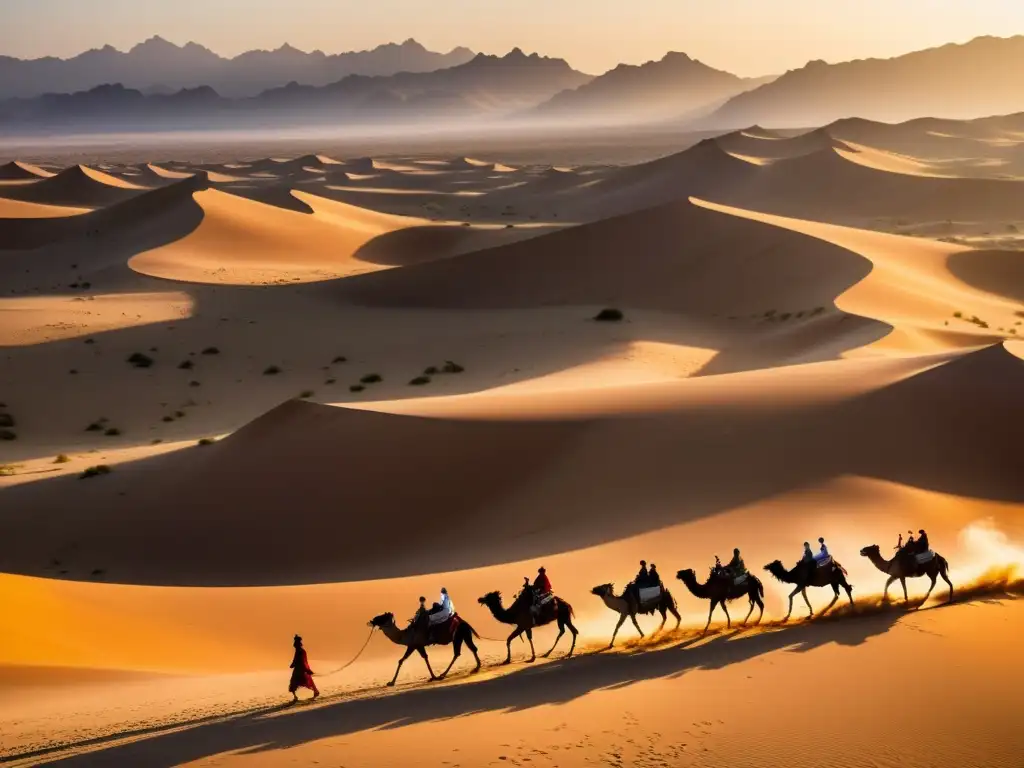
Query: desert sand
x,y
324,385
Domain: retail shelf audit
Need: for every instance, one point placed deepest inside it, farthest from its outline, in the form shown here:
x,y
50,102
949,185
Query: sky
x,y
747,37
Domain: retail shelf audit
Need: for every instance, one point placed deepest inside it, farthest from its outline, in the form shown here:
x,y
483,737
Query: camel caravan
x,y
536,605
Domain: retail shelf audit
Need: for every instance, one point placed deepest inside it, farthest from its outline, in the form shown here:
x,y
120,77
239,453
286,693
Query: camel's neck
x,y
500,612
786,577
879,562
394,634
617,604
696,588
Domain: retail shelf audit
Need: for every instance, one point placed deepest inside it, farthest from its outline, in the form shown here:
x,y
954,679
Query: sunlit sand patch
x,y
17,209
41,319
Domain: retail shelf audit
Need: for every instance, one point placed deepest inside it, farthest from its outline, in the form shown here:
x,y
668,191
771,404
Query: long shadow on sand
x,y
557,682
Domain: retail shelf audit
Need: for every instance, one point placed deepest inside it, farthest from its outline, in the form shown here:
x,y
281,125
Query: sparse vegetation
x,y
371,378
356,388
328,382
419,381
73,371
94,427
99,469
609,315
785,316
958,315
817,311
140,360
179,414
187,365
6,420
450,367
306,393
62,458
206,441
194,384
167,419
112,432
431,371
211,351
339,359
271,370
8,435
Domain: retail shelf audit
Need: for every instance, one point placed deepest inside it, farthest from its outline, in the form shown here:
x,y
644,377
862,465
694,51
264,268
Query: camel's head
x,y
872,550
603,590
382,621
774,565
491,598
686,573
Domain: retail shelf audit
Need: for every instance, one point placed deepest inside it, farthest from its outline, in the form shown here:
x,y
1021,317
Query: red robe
x,y
542,584
302,675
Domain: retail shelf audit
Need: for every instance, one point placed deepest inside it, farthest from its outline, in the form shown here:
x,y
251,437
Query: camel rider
x,y
542,584
445,610
422,614
823,554
653,577
922,541
736,567
807,559
642,576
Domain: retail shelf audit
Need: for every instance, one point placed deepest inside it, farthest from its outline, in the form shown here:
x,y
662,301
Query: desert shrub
x,y
958,315
167,419
211,351
431,371
112,432
99,469
356,388
450,367
62,458
785,316
339,359
194,384
6,420
187,365
73,371
271,370
419,381
206,441
94,427
817,310
306,393
8,435
371,378
140,360
328,382
609,315
180,414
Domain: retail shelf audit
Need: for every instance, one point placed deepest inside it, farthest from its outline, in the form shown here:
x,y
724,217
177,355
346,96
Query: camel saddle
x,y
444,633
923,557
741,579
824,562
648,594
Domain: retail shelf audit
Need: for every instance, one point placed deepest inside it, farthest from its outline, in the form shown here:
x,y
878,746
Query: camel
x,y
520,615
722,589
627,605
897,569
417,639
804,576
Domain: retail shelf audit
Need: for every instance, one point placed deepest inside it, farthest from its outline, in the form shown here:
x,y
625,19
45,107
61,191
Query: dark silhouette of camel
x,y
628,605
721,588
905,566
417,638
521,615
806,575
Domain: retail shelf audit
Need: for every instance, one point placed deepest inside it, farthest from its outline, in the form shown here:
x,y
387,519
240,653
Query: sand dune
x,y
78,186
786,368
18,171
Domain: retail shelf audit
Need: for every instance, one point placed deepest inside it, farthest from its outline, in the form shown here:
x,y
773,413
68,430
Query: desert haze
x,y
254,391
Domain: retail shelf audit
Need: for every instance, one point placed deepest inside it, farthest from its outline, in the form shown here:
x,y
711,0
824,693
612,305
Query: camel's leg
x,y
835,599
664,618
713,604
885,592
561,631
849,592
423,653
728,618
533,653
679,619
807,600
401,661
752,610
903,583
760,607
472,646
789,612
935,577
633,617
508,644
622,620
574,633
945,578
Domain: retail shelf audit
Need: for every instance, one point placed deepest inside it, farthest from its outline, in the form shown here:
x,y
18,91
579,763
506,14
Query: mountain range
x,y
484,86
672,87
974,79
158,66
